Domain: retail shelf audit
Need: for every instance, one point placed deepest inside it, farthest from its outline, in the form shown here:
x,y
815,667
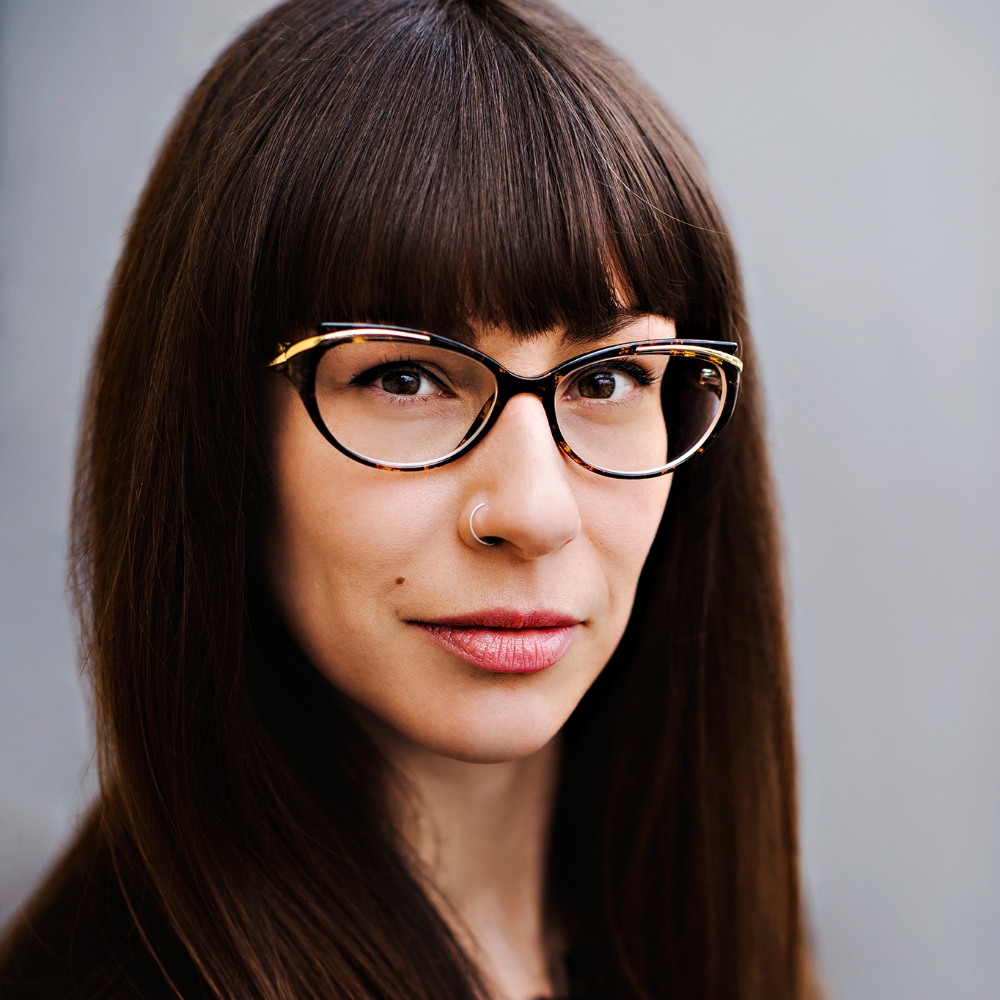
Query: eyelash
x,y
631,368
371,375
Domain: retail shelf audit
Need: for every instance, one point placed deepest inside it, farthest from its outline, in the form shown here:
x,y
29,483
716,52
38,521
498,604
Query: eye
x,y
400,381
600,385
609,382
404,383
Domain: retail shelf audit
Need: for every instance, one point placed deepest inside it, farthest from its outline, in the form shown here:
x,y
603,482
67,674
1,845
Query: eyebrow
x,y
583,333
587,333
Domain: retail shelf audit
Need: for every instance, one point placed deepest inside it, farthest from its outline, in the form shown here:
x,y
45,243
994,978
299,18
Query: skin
x,y
356,555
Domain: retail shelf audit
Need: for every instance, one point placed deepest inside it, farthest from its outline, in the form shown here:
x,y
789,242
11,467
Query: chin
x,y
494,731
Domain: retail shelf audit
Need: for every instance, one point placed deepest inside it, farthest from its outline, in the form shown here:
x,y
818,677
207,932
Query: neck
x,y
481,833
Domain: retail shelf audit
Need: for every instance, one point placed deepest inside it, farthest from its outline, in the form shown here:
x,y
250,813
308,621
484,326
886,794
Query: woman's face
x,y
476,652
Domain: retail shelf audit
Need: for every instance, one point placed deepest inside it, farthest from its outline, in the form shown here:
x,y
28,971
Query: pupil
x,y
600,385
401,383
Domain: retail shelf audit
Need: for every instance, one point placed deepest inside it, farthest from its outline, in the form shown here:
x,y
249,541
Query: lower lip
x,y
505,650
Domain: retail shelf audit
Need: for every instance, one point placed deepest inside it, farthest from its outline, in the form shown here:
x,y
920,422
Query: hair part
x,y
426,163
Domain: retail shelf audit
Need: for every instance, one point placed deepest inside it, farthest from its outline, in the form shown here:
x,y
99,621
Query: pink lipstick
x,y
505,641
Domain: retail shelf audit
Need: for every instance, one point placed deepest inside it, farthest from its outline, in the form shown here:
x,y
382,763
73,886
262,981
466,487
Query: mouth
x,y
505,641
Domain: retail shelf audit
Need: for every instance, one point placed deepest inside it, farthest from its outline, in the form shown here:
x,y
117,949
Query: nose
x,y
520,473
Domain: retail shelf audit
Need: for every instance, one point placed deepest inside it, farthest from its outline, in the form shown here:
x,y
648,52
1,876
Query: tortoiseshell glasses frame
x,y
299,361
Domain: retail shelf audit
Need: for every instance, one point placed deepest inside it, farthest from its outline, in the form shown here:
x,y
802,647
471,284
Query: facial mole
x,y
400,579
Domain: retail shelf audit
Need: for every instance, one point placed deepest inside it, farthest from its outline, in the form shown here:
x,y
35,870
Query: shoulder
x,y
78,938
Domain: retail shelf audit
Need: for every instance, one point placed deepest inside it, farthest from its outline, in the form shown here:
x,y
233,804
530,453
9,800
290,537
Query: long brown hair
x,y
423,163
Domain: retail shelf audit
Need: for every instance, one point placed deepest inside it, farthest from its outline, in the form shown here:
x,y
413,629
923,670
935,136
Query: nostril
x,y
482,539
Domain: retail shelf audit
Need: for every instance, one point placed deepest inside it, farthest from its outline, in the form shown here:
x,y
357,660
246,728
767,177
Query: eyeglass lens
x,y
396,403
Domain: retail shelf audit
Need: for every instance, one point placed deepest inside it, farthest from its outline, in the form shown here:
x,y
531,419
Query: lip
x,y
505,640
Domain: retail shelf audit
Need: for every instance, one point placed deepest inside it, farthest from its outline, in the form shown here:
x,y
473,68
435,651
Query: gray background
x,y
856,147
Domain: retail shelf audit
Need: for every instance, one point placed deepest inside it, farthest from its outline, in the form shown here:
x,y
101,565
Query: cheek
x,y
340,533
621,518
335,521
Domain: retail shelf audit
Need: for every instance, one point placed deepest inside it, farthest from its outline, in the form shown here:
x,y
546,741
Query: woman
x,y
418,671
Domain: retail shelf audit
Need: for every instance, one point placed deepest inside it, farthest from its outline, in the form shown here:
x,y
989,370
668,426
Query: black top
x,y
78,940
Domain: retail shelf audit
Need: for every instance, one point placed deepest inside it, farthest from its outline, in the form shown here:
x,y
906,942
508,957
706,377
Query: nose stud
x,y
482,541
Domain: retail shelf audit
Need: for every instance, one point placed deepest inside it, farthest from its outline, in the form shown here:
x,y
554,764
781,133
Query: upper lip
x,y
508,618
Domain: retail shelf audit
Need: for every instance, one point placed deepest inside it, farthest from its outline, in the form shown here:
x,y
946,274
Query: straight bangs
x,y
435,164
